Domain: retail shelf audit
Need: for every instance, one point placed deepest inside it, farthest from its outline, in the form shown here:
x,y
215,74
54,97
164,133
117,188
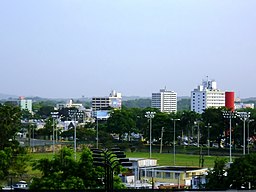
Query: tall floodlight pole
x,y
75,135
75,115
97,136
150,115
208,140
161,144
55,114
248,134
174,138
244,116
198,133
230,115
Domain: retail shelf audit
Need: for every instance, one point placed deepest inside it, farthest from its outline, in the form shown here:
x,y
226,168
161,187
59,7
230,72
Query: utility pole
x,y
150,115
161,144
174,138
230,115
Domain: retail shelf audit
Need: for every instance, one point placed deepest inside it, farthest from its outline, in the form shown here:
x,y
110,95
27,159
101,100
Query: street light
x,y
161,144
174,125
75,114
208,140
150,115
248,134
229,115
97,137
244,116
198,132
55,114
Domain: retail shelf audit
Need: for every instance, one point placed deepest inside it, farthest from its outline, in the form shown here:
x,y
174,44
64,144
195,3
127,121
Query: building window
x,y
177,175
158,174
167,175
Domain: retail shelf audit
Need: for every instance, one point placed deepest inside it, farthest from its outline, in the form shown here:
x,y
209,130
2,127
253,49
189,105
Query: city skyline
x,y
70,49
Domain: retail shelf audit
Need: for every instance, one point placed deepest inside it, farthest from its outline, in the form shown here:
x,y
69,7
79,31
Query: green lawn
x,y
162,159
180,159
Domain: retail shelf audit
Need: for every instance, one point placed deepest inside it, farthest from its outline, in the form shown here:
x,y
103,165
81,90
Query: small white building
x,y
147,173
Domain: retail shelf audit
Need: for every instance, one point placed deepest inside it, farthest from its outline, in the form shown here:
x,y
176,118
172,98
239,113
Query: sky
x,y
74,48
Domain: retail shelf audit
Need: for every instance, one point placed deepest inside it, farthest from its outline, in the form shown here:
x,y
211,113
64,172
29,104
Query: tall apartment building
x,y
207,95
105,103
25,104
165,101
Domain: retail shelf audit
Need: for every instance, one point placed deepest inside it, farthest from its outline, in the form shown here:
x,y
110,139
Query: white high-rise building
x,y
165,101
207,95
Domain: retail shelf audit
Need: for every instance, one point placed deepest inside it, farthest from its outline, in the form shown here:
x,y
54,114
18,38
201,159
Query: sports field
x,y
162,159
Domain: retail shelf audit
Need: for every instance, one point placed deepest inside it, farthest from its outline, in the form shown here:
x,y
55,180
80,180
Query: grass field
x,y
180,159
162,159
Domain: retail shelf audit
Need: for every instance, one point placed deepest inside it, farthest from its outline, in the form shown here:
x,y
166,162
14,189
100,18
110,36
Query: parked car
x,y
17,186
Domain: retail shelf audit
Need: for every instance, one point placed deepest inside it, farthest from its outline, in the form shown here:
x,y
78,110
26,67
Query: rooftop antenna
x,y
207,82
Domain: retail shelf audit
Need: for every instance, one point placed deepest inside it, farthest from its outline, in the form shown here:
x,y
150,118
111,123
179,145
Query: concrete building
x,y
165,101
244,106
207,95
25,104
70,104
165,177
114,100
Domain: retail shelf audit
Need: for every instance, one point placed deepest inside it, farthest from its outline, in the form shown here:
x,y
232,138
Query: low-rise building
x,y
148,174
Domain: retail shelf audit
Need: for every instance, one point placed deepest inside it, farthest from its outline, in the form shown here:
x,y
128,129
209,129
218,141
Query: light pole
x,y
174,127
75,114
229,115
244,116
208,140
150,115
55,114
161,144
248,134
198,133
97,131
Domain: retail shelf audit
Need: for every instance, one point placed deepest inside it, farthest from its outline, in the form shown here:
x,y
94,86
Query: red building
x,y
230,100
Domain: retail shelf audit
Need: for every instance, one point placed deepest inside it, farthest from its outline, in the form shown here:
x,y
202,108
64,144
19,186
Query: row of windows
x,y
195,93
158,174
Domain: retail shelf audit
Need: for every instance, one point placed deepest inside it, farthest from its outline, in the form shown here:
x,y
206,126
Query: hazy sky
x,y
70,48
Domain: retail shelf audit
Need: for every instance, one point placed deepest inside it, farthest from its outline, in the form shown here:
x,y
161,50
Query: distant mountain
x,y
6,96
127,98
250,99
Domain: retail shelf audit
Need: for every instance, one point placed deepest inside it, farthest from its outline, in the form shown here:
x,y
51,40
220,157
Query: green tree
x,y
120,122
13,157
9,124
216,178
14,162
160,120
63,172
242,172
187,119
43,111
48,128
183,104
214,117
137,103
